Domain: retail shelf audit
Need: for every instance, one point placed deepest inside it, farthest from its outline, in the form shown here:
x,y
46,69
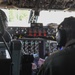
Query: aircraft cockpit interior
x,y
32,28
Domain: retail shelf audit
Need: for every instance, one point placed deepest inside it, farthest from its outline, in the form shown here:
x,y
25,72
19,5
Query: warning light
x,y
39,34
30,34
45,33
35,34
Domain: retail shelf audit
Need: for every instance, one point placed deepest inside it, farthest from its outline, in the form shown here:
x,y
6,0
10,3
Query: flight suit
x,y
61,62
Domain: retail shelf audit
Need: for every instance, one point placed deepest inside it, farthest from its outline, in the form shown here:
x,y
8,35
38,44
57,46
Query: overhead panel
x,y
40,4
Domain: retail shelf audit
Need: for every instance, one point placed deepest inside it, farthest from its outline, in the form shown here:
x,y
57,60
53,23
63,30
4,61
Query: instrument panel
x,y
34,38
32,32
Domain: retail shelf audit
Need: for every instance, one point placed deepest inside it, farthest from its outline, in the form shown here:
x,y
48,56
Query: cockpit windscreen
x,y
20,17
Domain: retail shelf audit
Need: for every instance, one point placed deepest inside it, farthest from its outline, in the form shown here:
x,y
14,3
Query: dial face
x,y
23,30
49,31
53,46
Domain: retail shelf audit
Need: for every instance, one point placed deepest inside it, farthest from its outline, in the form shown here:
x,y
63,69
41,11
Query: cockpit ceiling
x,y
43,4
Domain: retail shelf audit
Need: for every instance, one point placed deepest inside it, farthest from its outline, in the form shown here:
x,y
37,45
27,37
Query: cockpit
x,y
32,26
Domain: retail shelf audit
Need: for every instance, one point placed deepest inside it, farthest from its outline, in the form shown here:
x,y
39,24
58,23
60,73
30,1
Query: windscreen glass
x,y
20,17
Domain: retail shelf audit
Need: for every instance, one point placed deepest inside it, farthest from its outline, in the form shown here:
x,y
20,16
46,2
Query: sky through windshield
x,y
54,16
21,17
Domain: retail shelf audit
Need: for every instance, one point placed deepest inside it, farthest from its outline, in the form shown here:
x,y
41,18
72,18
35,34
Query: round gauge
x,y
49,31
25,30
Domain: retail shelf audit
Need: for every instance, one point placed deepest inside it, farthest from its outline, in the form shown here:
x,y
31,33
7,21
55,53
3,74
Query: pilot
x,y
63,61
6,35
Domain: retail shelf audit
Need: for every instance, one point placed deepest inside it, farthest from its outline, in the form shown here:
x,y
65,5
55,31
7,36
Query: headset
x,y
61,37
